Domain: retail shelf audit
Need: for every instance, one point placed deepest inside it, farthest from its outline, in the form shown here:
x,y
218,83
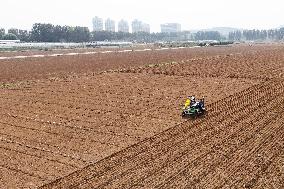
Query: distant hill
x,y
222,30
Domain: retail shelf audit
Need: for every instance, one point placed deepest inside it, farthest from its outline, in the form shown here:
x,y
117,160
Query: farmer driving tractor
x,y
193,107
189,102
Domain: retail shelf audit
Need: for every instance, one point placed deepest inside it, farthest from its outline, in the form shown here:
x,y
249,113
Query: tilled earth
x,y
63,66
237,146
119,126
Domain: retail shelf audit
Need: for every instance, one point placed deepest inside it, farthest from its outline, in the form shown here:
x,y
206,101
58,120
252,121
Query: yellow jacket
x,y
187,103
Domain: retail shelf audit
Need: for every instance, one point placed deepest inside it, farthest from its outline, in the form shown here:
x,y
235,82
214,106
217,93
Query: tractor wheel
x,y
194,115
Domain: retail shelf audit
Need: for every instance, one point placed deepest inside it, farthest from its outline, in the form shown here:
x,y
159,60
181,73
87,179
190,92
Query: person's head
x,y
192,98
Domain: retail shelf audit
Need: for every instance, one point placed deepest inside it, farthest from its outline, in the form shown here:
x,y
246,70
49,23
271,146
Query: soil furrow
x,y
169,140
195,155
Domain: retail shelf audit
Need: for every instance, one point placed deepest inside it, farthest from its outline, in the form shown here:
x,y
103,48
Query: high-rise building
x,y
170,28
138,26
146,28
98,24
123,26
110,25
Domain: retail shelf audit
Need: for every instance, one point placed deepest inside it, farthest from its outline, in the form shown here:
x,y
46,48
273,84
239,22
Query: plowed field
x,y
113,120
43,68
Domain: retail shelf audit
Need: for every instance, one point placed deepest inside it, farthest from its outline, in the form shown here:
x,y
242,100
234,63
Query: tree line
x,y
48,33
138,36
208,35
56,33
272,34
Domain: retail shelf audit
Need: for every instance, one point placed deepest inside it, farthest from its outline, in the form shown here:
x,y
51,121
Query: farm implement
x,y
193,108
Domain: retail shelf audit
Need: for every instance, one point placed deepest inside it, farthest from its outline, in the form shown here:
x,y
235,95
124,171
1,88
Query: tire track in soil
x,y
280,111
43,152
273,175
185,182
22,172
32,141
33,165
85,129
154,163
87,124
77,157
70,110
24,151
177,131
56,134
100,168
268,143
16,179
182,160
194,173
99,129
41,146
31,129
274,148
245,163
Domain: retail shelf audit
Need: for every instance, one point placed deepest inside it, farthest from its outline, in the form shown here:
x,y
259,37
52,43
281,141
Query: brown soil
x,y
114,121
234,146
63,66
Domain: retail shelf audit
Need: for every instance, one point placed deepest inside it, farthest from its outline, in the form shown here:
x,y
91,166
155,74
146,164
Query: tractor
x,y
194,109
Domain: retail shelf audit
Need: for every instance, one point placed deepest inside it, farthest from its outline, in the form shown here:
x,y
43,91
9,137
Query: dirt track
x,y
114,121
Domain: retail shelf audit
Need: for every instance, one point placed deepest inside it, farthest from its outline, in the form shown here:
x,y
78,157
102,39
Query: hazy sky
x,y
192,14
